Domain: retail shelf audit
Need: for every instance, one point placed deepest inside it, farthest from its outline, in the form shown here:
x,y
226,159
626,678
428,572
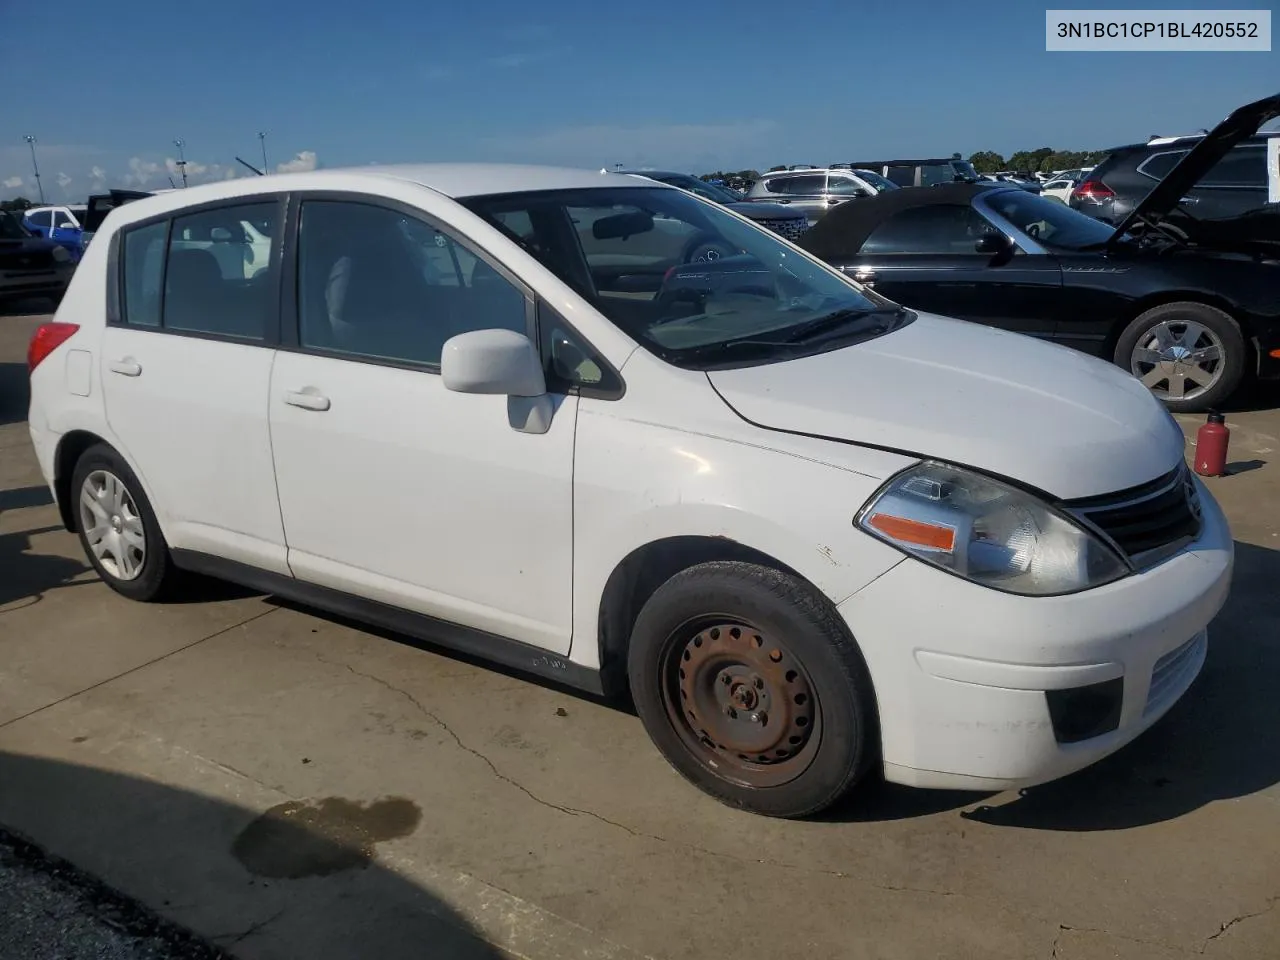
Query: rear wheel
x,y
118,528
749,684
1190,355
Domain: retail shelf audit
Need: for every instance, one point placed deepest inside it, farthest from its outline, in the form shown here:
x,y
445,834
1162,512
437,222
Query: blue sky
x,y
697,87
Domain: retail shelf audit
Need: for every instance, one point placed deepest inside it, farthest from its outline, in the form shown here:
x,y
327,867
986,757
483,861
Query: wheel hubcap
x,y
112,525
742,702
1178,359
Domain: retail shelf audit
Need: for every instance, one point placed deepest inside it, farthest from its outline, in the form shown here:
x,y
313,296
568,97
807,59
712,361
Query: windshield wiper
x,y
812,329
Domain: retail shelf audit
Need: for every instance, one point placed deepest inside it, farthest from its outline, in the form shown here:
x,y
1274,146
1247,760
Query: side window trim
x,y
1163,153
290,302
119,318
544,311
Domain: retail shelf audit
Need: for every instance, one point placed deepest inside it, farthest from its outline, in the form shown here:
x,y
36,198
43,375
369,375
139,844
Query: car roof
x,y
848,225
454,180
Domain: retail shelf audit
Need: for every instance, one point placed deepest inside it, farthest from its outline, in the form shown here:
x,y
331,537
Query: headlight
x,y
60,255
987,532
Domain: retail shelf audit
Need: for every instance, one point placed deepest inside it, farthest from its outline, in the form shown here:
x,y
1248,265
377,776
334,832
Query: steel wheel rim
x,y
741,701
112,525
1175,354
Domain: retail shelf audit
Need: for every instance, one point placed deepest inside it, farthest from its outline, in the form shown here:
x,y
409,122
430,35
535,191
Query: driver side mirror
x,y
500,362
993,244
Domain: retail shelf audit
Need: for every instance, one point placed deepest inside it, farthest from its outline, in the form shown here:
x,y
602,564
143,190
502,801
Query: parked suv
x,y
922,173
30,265
1230,202
784,221
812,192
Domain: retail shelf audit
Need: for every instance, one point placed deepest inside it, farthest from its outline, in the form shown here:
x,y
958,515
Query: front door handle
x,y
864,276
1190,200
128,367
307,399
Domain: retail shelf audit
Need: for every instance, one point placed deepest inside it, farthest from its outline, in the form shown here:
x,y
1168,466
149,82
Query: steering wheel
x,y
708,249
1033,230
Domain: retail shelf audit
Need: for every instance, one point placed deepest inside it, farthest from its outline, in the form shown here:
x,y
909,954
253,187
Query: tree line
x,y
1045,159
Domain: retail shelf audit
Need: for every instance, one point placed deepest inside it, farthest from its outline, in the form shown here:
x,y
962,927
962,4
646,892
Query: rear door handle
x,y
307,399
128,367
1190,200
865,276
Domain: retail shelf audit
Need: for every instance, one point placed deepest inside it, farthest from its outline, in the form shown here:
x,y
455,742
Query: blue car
x,y
63,225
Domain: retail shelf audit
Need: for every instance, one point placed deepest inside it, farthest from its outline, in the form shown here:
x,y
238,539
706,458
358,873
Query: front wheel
x,y
1190,355
751,687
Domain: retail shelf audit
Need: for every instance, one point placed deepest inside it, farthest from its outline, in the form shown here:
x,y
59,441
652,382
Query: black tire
x,y
157,577
1230,368
837,739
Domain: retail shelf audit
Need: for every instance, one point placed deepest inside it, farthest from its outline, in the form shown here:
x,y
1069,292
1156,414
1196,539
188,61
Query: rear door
x,y
186,367
925,258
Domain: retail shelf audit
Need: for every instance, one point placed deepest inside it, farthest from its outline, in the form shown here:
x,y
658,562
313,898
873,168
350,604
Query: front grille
x,y
790,229
1146,522
26,260
1174,671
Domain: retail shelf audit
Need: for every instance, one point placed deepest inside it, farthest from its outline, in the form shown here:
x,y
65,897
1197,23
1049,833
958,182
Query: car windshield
x,y
11,227
1048,222
691,282
965,170
880,183
703,189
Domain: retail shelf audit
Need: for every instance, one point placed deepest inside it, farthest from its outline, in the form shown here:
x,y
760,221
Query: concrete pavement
x,y
288,785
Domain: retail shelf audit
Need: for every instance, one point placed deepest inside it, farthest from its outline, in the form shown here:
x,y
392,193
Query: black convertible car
x,y
1189,321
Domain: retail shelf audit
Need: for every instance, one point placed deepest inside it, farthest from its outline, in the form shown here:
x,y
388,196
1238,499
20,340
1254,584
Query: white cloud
x,y
684,145
303,162
63,180
141,172
13,183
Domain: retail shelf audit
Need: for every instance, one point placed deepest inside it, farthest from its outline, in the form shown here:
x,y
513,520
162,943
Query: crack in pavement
x,y
1271,905
234,938
140,666
639,834
1068,928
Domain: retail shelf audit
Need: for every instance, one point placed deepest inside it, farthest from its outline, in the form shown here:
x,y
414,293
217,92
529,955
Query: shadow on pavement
x,y
15,395
1218,743
301,880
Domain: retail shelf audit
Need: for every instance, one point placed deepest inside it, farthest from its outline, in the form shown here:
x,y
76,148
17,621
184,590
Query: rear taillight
x,y
47,338
1094,190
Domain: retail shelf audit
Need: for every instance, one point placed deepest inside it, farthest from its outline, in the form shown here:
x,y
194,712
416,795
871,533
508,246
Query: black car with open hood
x,y
1220,189
1190,320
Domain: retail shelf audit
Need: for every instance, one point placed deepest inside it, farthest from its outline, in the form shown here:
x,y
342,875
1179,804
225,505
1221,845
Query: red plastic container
x,y
1211,446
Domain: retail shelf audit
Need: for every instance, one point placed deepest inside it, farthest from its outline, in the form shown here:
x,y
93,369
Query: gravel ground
x,y
49,910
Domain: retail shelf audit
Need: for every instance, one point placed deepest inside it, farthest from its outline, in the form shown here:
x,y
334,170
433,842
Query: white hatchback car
x,y
511,411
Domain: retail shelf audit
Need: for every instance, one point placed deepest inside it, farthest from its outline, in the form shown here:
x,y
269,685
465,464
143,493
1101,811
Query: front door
x,y
185,374
392,487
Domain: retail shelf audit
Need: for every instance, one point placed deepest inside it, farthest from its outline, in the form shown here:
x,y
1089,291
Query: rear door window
x,y
43,219
219,277
1245,166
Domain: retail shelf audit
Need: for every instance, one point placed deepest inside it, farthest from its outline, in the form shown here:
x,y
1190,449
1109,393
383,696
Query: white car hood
x,y
1064,422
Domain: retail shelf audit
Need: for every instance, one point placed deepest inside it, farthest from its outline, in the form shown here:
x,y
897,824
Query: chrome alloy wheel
x,y
1178,359
112,525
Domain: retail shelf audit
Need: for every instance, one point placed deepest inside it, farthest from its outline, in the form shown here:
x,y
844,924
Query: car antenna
x,y
251,167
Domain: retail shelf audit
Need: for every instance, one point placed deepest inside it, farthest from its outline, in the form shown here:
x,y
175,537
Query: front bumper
x,y
962,673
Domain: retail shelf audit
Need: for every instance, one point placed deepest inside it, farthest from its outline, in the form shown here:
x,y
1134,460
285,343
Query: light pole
x,y
31,142
262,141
182,160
